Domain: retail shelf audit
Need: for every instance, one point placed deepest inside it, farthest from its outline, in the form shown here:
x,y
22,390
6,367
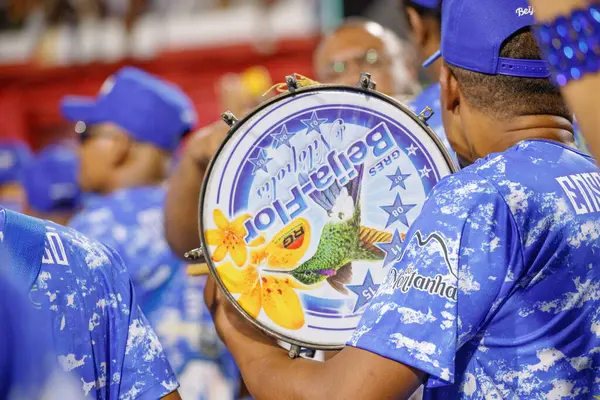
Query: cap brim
x,y
432,59
75,109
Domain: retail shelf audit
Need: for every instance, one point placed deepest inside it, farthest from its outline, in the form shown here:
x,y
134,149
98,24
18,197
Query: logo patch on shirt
x,y
439,285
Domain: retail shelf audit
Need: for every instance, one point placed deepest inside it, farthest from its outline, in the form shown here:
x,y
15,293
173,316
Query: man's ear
x,y
120,149
417,26
450,92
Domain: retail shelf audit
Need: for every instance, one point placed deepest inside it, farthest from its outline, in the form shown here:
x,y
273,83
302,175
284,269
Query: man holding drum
x,y
510,241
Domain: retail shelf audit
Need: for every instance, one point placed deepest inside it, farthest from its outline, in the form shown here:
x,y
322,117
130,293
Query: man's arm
x,y
352,374
579,94
181,210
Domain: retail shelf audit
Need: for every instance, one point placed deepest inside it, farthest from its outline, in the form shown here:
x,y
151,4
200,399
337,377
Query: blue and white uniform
x,y
86,304
497,292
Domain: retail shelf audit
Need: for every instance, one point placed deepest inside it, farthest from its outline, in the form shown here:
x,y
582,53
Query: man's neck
x,y
547,127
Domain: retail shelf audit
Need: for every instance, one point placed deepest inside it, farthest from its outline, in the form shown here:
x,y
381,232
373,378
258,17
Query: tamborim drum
x,y
307,202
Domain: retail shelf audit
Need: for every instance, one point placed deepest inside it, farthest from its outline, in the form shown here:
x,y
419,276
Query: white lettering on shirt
x,y
583,191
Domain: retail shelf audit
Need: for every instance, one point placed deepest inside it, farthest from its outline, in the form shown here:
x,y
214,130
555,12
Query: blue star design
x,y
397,211
282,137
314,123
365,292
398,179
393,249
260,162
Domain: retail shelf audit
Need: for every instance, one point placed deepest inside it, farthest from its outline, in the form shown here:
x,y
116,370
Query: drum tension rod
x,y
295,351
365,82
292,83
195,255
426,114
229,118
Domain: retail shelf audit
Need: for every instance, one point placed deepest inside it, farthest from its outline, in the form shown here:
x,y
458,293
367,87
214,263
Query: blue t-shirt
x,y
131,221
497,291
85,303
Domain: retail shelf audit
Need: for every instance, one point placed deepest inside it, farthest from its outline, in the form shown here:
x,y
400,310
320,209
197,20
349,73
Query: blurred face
x,y
97,152
349,52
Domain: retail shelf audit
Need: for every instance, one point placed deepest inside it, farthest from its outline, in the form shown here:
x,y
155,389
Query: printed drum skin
x,y
306,205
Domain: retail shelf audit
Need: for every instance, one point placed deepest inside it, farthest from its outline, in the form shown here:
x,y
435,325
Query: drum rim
x,y
314,88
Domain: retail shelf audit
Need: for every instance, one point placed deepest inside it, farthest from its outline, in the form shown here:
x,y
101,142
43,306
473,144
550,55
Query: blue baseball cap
x,y
13,157
50,180
148,108
473,32
433,4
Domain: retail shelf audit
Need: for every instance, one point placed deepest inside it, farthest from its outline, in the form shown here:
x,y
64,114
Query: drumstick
x,y
197,269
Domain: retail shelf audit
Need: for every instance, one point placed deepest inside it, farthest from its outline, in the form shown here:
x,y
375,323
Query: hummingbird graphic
x,y
343,239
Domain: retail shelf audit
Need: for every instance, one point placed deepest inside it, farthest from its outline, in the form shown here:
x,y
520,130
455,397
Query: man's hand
x,y
233,328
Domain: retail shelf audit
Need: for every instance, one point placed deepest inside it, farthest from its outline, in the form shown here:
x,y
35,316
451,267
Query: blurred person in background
x,y
132,128
424,23
356,46
50,184
239,93
360,45
14,156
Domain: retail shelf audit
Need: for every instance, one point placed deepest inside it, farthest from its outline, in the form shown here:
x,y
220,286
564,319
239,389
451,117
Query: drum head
x,y
306,204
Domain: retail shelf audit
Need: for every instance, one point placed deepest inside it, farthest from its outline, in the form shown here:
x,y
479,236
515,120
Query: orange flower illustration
x,y
229,238
274,294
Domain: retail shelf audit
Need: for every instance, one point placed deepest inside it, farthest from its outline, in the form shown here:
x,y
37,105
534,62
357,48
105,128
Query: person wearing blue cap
x,y
85,305
50,184
14,155
132,128
496,290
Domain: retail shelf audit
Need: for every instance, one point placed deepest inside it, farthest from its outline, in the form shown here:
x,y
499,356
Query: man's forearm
x,y
181,211
290,378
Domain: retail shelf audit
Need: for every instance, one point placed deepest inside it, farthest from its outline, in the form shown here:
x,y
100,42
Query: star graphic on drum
x,y
392,249
425,172
314,123
397,211
365,291
412,150
282,137
260,162
398,179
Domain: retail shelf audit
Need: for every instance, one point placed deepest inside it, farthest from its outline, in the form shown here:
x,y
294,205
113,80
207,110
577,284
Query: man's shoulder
x,y
72,256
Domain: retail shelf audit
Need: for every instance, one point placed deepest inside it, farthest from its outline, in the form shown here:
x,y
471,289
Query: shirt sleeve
x,y
146,374
455,268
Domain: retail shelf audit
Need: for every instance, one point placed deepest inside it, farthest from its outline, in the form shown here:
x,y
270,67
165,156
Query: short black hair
x,y
504,96
425,12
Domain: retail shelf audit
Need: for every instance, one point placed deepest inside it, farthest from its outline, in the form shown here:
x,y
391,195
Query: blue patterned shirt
x,y
85,303
131,221
497,290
